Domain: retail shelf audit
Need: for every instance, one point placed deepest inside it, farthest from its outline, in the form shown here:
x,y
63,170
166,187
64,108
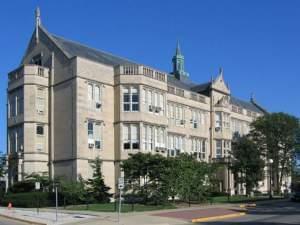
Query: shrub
x,y
23,186
29,199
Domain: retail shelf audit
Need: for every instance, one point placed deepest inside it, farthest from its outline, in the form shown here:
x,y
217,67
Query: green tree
x,y
2,166
274,135
73,192
43,179
96,185
247,162
145,174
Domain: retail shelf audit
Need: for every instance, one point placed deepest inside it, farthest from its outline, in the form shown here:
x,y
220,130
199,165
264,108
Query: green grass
x,y
110,207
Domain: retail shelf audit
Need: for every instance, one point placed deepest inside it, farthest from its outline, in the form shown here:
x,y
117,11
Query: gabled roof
x,y
246,105
72,49
201,87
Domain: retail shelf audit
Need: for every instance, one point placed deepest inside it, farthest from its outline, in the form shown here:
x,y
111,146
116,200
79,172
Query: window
x,y
94,96
135,99
130,99
175,144
90,130
131,137
40,100
158,136
40,129
94,134
90,92
199,148
15,103
154,101
219,149
15,139
218,120
227,148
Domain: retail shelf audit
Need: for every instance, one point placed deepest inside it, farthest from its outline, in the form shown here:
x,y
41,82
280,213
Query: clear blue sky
x,y
256,42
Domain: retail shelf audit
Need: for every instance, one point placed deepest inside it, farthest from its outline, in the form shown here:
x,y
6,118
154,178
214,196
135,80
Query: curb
x,y
22,220
204,219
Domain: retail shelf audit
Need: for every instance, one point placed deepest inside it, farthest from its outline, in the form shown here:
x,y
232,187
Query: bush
x,y
29,199
23,186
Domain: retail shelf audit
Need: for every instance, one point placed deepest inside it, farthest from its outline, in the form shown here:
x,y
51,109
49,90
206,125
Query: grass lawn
x,y
110,207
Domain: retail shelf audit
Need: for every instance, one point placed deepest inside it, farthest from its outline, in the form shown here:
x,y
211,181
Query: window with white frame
x,y
176,144
197,118
40,100
218,148
94,131
131,134
199,148
94,96
153,101
130,99
226,120
15,139
153,137
227,147
15,103
218,120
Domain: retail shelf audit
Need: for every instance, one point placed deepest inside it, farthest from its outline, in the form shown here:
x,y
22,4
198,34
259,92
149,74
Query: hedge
x,y
29,199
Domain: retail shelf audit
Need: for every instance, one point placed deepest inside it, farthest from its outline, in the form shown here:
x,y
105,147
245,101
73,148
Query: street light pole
x,y
270,178
228,179
56,202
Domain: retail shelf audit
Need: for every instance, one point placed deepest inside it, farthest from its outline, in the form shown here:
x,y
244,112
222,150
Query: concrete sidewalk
x,y
177,216
43,218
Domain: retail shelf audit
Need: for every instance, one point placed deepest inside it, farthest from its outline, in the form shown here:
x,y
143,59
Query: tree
x,y
73,192
145,177
247,163
274,135
2,166
43,179
96,185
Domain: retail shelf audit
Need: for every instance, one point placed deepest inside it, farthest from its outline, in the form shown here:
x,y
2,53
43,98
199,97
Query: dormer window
x,y
37,59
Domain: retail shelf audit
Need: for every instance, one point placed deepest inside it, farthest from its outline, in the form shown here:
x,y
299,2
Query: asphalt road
x,y
276,213
4,221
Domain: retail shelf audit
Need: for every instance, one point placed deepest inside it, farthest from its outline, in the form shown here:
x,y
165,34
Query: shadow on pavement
x,y
263,211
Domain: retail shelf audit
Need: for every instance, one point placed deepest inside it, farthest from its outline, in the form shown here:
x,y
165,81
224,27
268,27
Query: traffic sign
x,y
121,183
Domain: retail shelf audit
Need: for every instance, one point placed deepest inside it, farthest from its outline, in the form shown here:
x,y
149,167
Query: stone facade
x,y
68,104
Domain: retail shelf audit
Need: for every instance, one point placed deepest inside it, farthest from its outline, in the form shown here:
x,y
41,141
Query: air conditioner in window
x,y
217,129
191,121
151,108
157,109
98,105
182,122
91,145
163,150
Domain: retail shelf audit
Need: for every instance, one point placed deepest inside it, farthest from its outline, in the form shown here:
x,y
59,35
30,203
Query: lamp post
x,y
228,178
270,178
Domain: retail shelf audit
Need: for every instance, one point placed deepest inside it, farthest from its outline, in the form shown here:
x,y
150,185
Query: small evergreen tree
x,y
96,185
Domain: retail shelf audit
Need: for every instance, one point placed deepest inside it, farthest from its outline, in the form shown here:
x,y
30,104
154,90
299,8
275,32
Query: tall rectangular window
x,y
175,144
94,133
94,96
131,138
130,99
40,100
218,120
219,149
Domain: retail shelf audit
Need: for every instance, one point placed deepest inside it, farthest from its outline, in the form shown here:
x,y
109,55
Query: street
x,y
4,221
280,213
